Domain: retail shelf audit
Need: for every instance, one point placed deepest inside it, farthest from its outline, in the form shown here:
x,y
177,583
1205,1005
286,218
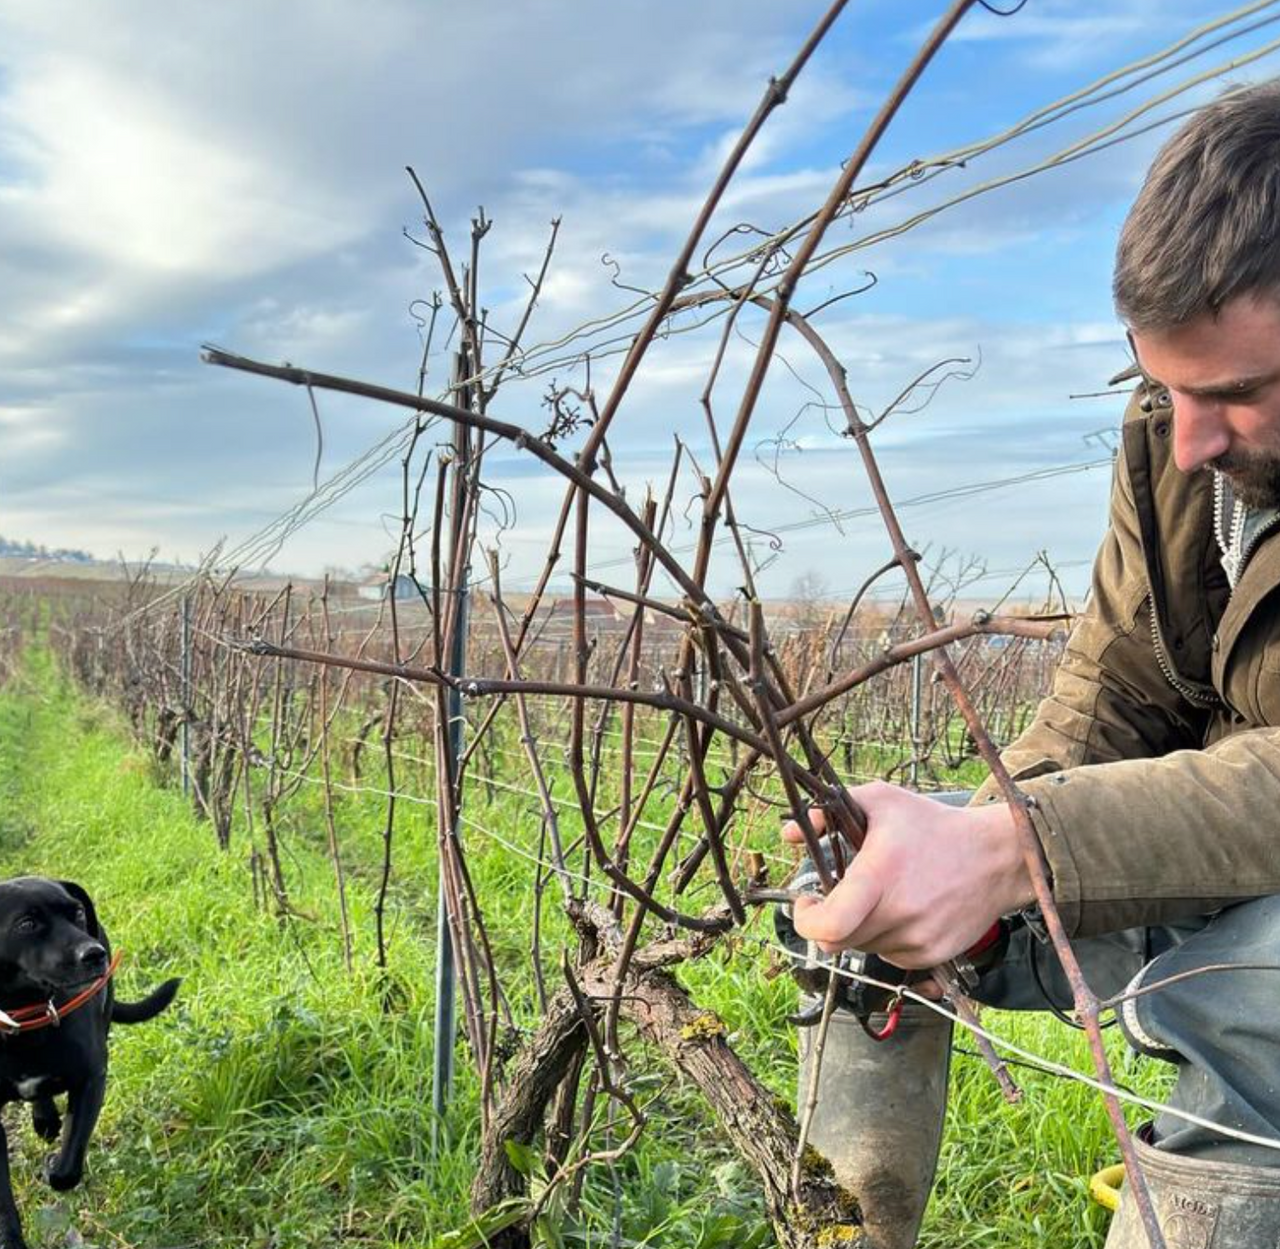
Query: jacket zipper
x,y
1191,693
1137,456
1226,539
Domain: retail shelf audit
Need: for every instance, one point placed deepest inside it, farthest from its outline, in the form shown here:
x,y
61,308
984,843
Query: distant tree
x,y
29,550
807,599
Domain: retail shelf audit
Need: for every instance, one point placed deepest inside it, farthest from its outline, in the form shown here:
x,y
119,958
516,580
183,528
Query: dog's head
x,y
49,935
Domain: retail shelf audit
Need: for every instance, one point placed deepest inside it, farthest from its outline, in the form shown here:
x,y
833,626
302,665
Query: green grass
x,y
279,1104
276,1103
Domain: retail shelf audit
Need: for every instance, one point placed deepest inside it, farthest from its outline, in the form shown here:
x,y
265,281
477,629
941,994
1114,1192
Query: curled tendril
x,y
499,505
616,279
776,255
774,540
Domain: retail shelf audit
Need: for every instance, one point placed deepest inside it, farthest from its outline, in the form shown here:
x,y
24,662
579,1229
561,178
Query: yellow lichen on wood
x,y
703,1027
838,1237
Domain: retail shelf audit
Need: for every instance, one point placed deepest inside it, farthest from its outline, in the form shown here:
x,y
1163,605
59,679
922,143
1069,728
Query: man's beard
x,y
1254,476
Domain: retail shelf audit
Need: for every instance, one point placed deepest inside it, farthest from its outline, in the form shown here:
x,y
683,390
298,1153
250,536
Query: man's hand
x,y
928,883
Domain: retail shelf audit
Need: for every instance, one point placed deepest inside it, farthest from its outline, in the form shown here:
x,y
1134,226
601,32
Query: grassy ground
x,y
280,1104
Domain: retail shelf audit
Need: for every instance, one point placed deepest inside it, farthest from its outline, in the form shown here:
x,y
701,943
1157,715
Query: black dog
x,y
57,1002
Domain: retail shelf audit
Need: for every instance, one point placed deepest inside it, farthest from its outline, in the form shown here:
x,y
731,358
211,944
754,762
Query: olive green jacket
x,y
1154,763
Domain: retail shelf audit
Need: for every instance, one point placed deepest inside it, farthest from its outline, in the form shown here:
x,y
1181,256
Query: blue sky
x,y
234,173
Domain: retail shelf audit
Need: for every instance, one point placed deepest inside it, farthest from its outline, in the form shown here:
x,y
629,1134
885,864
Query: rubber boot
x,y
1201,1204
879,1114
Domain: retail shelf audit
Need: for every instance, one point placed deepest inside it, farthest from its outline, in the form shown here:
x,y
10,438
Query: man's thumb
x,y
835,919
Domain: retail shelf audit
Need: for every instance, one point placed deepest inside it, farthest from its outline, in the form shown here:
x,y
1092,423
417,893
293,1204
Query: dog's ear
x,y
81,895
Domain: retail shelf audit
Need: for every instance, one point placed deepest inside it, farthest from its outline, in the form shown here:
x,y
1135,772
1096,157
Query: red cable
x,y
985,942
890,1024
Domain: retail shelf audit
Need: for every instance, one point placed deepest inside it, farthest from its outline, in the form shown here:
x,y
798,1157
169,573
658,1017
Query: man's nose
x,y
1200,432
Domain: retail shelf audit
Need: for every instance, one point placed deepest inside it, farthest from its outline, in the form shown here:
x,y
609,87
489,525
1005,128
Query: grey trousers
x,y
1221,1029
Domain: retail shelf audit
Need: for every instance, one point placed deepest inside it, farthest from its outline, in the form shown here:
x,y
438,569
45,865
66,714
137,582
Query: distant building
x,y
592,609
379,586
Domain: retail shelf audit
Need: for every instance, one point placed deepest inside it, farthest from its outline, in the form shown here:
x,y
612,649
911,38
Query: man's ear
x,y
81,895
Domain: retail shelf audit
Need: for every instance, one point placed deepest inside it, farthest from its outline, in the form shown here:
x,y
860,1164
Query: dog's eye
x,y
81,918
27,923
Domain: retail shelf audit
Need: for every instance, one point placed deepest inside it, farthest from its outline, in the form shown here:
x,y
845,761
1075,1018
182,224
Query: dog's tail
x,y
148,1008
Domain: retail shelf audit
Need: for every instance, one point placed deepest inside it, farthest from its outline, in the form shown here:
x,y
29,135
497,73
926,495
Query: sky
x,y
173,175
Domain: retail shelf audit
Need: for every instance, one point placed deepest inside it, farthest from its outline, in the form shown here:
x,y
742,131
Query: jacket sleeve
x,y
1144,841
1139,824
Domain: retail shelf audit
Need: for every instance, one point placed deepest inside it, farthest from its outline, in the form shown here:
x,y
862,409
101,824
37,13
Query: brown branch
x,y
1039,628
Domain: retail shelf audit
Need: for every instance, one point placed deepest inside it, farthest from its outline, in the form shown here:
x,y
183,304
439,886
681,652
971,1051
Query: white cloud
x,y
27,430
125,177
234,172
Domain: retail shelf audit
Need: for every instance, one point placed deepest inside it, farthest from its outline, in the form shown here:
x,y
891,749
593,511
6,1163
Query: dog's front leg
x,y
10,1223
45,1118
84,1103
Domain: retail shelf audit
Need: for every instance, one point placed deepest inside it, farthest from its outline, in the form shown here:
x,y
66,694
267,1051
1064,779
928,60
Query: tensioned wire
x,y
1048,1065
1148,1103
996,1039
1004,1043
967,490
641,748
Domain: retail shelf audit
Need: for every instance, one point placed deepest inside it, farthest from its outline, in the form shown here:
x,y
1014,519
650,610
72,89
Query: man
x,y
1153,766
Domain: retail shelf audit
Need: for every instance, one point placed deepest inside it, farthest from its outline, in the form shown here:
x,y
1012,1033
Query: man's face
x,y
1223,375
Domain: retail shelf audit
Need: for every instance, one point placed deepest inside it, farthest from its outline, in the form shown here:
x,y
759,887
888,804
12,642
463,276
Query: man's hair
x,y
1205,227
